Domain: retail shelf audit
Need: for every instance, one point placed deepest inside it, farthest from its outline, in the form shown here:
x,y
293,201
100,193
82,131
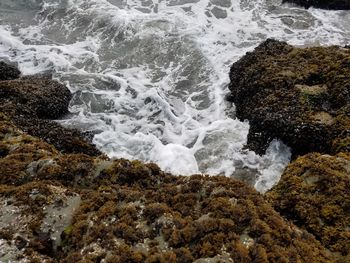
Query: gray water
x,y
149,77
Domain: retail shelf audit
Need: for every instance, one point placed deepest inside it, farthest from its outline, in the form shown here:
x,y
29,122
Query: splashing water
x,y
149,77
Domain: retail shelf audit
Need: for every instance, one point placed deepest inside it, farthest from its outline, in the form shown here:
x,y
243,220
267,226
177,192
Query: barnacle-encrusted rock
x,y
314,193
32,102
299,95
78,208
326,4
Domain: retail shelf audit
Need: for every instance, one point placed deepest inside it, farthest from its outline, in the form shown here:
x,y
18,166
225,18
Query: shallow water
x,y
149,77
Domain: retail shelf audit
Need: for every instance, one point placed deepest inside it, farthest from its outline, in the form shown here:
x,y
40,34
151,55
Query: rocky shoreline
x,y
61,200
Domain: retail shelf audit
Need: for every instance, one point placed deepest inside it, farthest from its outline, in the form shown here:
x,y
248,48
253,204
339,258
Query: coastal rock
x,y
8,72
325,4
299,95
32,218
314,193
40,97
64,139
32,102
127,211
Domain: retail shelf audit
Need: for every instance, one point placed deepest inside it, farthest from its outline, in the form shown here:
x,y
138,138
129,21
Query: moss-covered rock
x,y
78,208
325,4
314,193
299,95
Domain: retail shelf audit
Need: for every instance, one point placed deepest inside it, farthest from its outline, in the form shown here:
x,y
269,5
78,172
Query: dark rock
x,y
8,72
41,97
299,95
20,242
325,4
314,193
64,139
32,101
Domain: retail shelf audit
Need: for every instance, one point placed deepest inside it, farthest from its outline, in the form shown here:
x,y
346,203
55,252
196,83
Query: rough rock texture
x,y
299,95
40,97
8,72
78,208
325,4
314,193
32,102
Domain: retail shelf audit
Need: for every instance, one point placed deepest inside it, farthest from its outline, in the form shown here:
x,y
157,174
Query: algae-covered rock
x,y
325,4
32,218
32,102
8,72
314,193
299,95
183,219
64,139
78,208
39,96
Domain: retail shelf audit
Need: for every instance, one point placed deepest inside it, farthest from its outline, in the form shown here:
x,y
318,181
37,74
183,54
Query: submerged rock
x,y
78,208
299,95
325,4
314,193
32,102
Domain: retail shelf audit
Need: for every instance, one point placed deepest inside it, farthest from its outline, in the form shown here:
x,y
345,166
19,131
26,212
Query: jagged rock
x,y
127,211
8,72
32,102
299,95
325,4
314,193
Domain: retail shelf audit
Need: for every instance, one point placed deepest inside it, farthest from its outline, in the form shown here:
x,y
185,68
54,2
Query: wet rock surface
x,y
32,103
8,72
314,194
299,95
78,208
325,4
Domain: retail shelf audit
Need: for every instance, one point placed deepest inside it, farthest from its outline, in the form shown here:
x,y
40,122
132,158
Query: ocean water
x,y
149,77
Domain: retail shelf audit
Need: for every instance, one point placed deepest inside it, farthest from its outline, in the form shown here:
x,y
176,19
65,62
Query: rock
x,y
41,97
25,212
314,193
64,139
299,95
8,72
32,102
184,219
75,207
325,4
